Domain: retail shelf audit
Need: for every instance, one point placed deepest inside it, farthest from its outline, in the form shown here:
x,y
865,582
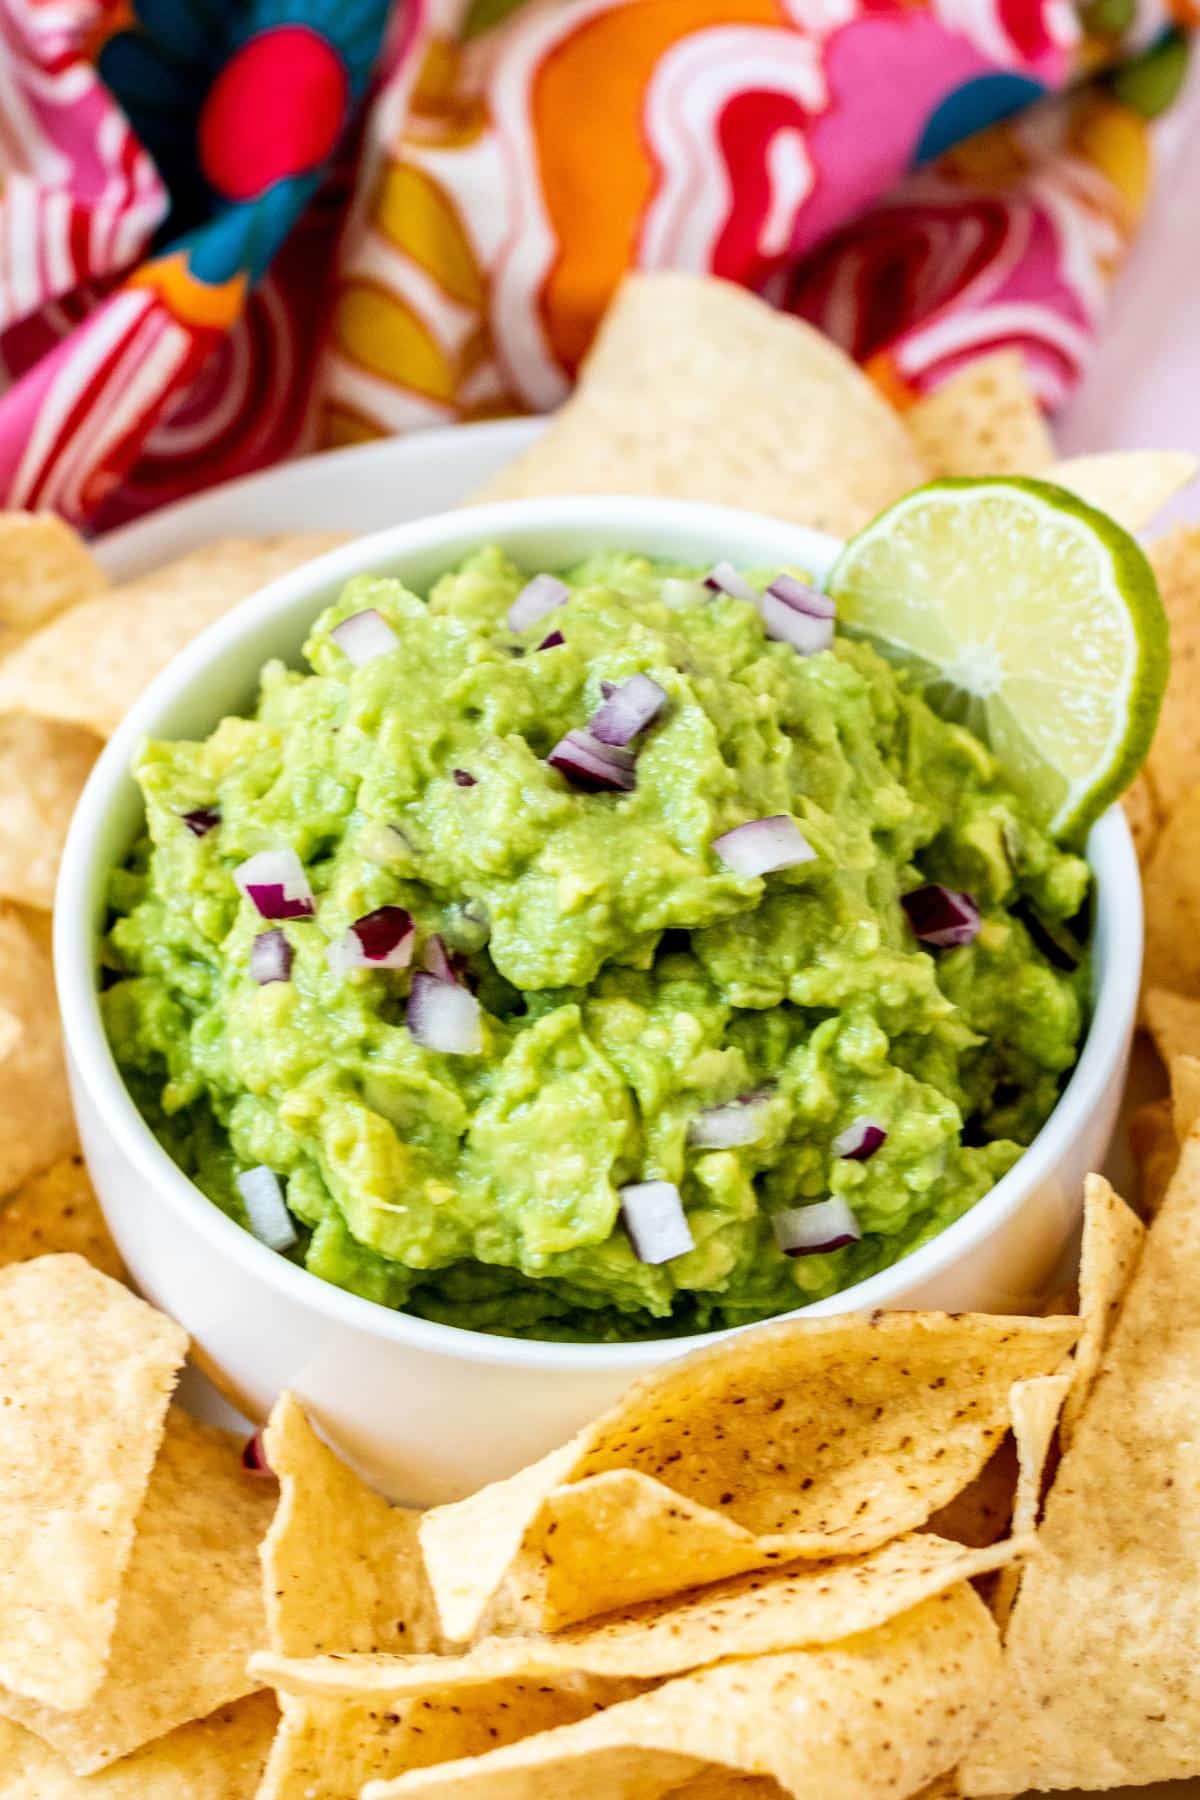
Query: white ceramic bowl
x,y
426,1410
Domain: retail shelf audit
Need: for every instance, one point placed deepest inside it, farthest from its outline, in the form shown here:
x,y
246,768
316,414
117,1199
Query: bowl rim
x,y
1109,849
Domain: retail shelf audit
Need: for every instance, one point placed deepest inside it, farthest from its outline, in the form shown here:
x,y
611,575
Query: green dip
x,y
628,979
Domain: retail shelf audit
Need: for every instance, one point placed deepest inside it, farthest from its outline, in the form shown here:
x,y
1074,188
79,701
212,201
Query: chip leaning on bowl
x,y
527,1032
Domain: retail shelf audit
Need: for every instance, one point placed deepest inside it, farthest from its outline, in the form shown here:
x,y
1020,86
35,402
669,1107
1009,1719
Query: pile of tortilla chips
x,y
915,1555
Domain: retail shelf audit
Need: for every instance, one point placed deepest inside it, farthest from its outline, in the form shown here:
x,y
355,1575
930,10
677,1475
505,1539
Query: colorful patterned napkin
x,y
234,229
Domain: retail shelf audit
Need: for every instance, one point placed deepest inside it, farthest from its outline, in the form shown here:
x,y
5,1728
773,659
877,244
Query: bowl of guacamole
x,y
571,940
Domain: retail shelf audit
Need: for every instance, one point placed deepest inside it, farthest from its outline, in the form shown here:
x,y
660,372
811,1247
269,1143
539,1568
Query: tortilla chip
x,y
190,1608
1174,1023
819,1437
1174,761
1185,1095
43,766
342,1570
218,1758
877,1715
1112,1243
37,1126
58,1211
982,1513
89,665
1036,1406
1172,890
1141,815
1101,1686
1156,1152
44,567
984,421
696,389
86,1371
753,1615
1131,486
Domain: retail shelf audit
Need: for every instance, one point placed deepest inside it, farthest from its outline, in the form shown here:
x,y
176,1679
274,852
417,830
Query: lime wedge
x,y
1028,616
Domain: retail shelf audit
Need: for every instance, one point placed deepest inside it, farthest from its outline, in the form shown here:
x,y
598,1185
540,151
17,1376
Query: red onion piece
x,y
537,598
364,636
592,765
860,1140
941,917
201,820
254,1457
652,1214
270,958
262,1196
274,882
806,633
807,1230
383,939
723,578
438,961
763,845
802,598
443,1016
552,640
463,778
729,1126
627,710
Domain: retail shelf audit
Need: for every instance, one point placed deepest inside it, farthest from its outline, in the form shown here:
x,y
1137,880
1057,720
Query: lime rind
x,y
1119,667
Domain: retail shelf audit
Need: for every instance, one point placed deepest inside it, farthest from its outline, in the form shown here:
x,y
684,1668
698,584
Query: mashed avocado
x,y
627,979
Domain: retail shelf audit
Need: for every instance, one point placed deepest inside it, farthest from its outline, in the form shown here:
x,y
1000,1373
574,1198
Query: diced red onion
x,y
627,710
797,615
463,778
763,845
262,1196
589,764
274,881
552,640
807,1230
723,578
438,962
270,958
364,636
652,1213
677,591
443,1016
729,1126
801,597
940,916
254,1457
383,939
860,1140
201,820
537,598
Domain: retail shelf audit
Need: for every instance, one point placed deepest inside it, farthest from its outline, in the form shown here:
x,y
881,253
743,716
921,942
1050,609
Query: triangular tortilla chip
x,y
1113,1236
1036,1406
819,1437
875,1716
1185,1094
753,1615
57,1211
1155,1151
1172,890
43,766
697,390
342,1570
985,420
1174,761
86,1372
1141,815
44,566
1131,486
190,1609
1101,1684
218,1758
37,1126
1174,1023
88,665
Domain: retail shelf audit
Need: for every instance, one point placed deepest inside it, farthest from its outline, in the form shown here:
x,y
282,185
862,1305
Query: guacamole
x,y
481,1004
